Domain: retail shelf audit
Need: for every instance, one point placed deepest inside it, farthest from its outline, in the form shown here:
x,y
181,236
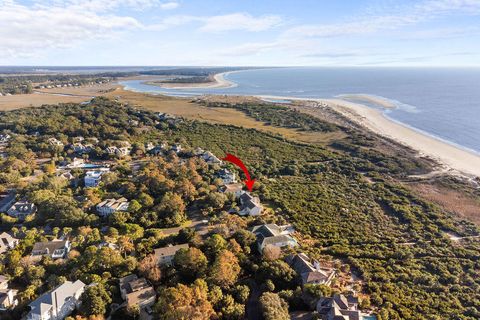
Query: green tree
x,y
95,300
172,209
273,307
191,263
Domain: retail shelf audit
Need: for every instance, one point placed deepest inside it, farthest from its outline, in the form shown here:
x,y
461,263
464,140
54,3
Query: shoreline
x,y
219,83
450,157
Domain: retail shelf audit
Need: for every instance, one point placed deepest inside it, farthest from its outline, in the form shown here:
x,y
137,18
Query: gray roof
x,y
169,251
50,245
47,300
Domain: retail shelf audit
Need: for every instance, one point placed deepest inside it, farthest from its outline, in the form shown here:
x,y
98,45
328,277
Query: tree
x,y
217,200
149,268
95,300
191,263
125,245
225,269
273,307
278,271
134,206
184,302
271,252
215,244
172,209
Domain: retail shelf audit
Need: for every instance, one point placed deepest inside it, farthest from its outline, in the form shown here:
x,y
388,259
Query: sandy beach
x,y
218,82
449,156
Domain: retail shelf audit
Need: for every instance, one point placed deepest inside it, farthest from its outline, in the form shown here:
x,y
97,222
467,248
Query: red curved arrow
x,y
231,158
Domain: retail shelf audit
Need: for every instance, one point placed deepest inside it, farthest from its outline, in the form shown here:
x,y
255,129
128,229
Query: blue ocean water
x,y
442,102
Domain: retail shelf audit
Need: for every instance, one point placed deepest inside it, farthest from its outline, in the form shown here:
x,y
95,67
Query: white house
x,y
7,242
58,303
176,148
8,297
55,249
109,206
21,209
274,235
76,163
249,205
227,176
4,137
93,178
55,142
210,158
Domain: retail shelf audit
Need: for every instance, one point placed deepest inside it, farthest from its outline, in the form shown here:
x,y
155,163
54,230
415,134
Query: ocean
x,y
441,102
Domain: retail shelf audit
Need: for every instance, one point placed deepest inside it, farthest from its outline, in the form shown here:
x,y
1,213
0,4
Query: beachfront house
x,y
58,303
109,206
21,209
55,249
274,235
7,242
249,205
8,296
339,307
165,255
309,270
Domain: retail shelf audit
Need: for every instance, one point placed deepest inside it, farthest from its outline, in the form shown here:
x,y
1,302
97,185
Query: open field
x,y
52,96
452,200
190,110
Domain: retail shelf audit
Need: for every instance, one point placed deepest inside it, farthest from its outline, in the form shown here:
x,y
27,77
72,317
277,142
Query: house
x,y
78,139
235,188
249,205
210,158
54,249
310,270
21,209
111,150
121,152
8,297
109,206
165,255
80,148
176,148
272,234
55,142
7,242
227,176
4,137
76,163
66,175
149,146
137,292
58,303
93,178
7,199
339,307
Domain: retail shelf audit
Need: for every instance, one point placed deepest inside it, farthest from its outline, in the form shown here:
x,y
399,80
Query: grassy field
x,y
190,110
52,96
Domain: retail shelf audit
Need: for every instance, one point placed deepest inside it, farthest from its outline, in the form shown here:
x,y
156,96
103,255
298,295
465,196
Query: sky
x,y
240,32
